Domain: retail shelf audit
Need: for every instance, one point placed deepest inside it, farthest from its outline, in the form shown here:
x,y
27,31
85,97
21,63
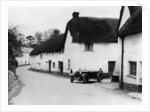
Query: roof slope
x,y
93,30
26,50
134,24
55,44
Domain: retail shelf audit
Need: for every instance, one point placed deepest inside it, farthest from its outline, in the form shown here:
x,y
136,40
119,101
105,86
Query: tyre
x,y
72,79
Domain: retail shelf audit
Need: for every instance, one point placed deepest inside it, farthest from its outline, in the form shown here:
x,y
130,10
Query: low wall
x,y
132,87
12,77
12,65
11,80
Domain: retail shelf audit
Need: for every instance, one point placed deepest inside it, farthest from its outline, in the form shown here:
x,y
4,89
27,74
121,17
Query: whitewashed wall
x,y
132,52
24,59
68,53
93,60
41,62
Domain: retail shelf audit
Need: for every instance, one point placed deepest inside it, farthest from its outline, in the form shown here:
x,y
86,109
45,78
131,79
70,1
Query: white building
x,y
129,68
49,55
25,58
88,43
91,44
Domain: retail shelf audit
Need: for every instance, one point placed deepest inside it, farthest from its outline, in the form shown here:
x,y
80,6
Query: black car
x,y
85,76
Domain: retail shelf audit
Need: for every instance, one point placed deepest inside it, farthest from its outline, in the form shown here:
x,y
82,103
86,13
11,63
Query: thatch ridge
x,y
93,30
51,45
90,30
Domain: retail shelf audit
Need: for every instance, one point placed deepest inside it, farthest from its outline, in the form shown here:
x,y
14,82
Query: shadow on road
x,y
89,82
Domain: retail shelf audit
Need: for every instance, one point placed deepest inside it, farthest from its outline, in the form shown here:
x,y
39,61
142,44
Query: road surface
x,y
48,89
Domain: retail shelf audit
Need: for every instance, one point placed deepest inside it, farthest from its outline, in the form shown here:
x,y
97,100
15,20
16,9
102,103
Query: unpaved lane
x,y
46,89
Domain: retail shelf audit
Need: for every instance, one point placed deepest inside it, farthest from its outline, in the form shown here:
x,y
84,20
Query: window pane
x,y
132,68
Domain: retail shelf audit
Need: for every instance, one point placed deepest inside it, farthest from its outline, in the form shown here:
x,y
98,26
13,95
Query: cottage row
x,y
88,43
24,58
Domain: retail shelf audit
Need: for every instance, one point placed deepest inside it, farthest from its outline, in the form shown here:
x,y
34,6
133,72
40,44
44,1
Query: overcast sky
x,y
40,18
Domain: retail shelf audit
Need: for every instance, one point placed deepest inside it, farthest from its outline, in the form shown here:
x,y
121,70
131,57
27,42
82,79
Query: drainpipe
x,y
122,68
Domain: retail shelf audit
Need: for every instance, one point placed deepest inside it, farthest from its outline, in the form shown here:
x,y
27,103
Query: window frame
x,y
133,68
88,47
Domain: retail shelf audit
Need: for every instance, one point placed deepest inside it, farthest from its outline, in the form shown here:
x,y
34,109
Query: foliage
x,y
31,39
38,36
13,43
50,33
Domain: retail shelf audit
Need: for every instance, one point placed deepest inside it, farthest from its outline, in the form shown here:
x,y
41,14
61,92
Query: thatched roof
x,y
26,50
134,24
83,30
93,30
55,44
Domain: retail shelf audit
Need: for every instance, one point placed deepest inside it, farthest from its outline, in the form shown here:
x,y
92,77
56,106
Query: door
x,y
49,65
61,66
111,65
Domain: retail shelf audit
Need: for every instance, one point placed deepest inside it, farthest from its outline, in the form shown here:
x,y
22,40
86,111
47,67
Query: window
x,y
89,47
133,68
53,64
68,64
41,56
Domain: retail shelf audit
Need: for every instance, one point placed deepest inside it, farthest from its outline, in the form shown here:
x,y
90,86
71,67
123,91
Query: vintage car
x,y
85,76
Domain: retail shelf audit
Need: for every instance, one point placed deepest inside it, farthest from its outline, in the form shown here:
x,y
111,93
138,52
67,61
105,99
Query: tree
x,y
38,36
50,33
31,39
55,32
13,44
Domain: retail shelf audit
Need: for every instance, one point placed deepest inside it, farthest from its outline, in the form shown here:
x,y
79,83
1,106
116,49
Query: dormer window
x,y
88,47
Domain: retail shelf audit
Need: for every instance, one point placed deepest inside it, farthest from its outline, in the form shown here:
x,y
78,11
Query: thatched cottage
x,y
129,64
88,43
49,55
24,59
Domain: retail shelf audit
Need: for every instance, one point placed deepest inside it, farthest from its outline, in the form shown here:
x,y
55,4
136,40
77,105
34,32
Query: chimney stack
x,y
75,15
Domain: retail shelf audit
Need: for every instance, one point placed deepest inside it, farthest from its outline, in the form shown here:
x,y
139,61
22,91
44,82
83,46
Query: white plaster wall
x,y
117,69
132,52
68,53
39,63
98,58
125,16
55,58
25,58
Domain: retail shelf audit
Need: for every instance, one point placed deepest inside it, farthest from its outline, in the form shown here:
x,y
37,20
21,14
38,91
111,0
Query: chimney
x,y
75,15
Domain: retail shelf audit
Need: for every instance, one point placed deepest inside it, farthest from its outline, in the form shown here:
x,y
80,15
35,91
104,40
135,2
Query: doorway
x,y
49,62
111,66
60,63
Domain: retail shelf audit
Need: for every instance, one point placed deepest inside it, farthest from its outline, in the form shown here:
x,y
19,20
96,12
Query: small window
x,y
53,64
89,47
41,56
133,68
68,64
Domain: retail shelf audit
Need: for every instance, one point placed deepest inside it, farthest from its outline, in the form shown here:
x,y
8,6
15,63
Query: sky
x,y
31,19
